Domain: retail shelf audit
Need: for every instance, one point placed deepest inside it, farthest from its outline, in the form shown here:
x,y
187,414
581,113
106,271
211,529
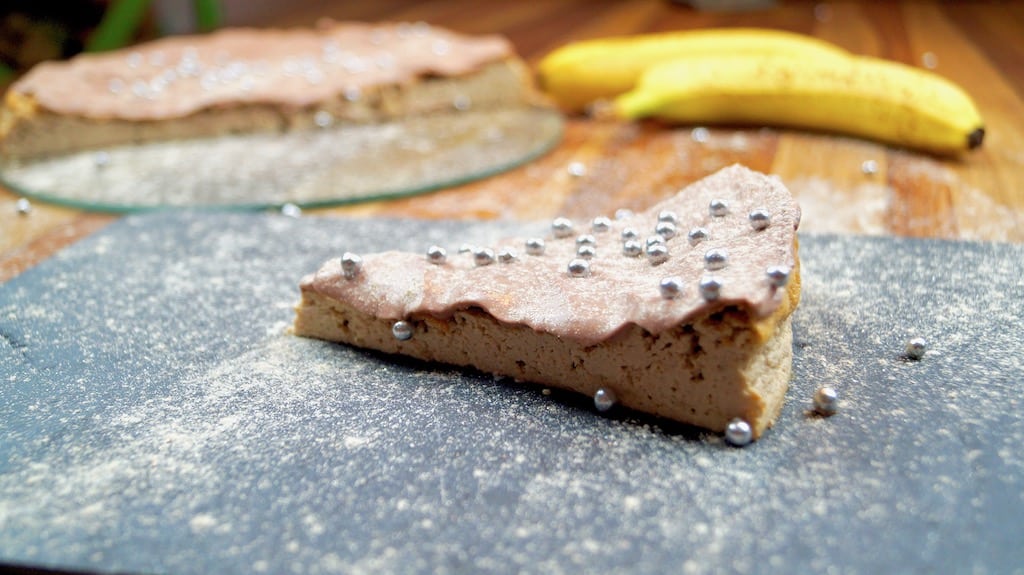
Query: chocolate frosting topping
x,y
539,291
177,76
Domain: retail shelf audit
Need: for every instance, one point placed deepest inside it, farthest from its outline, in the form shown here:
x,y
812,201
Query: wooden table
x,y
979,196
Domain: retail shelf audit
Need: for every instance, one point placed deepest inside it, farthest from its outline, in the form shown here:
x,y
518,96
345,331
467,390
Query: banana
x,y
861,96
580,73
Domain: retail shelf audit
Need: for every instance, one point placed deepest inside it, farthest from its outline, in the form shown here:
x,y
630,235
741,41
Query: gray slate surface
x,y
155,417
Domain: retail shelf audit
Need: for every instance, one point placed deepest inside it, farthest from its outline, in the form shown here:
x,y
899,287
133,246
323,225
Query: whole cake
x,y
682,311
248,80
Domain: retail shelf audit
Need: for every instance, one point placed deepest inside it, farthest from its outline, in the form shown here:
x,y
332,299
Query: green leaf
x,y
118,26
208,14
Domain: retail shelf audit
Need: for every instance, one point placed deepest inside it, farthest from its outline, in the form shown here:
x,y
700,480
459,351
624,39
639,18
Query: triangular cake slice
x,y
682,311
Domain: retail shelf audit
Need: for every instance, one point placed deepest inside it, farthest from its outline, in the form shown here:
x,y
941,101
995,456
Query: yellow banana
x,y
862,96
579,73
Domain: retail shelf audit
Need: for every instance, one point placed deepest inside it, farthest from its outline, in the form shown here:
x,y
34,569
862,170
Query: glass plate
x,y
331,166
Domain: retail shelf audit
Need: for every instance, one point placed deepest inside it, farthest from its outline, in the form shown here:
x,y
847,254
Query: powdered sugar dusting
x,y
864,208
171,429
959,207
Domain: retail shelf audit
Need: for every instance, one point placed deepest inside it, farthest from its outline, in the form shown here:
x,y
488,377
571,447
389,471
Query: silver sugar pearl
x,y
402,330
604,399
718,208
462,103
437,255
314,76
623,213
577,169
323,119
759,219
208,83
330,50
561,227
698,235
188,66
665,229
291,210
507,255
710,288
630,234
586,240
715,259
671,287
916,348
23,206
535,246
869,167
494,134
354,65
778,276
440,47
826,400
601,224
350,265
579,268
385,61
657,254
632,248
739,432
654,240
483,256
586,251
141,90
420,28
929,60
668,216
158,85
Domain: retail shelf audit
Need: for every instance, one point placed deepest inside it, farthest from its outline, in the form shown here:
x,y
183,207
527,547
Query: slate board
x,y
156,418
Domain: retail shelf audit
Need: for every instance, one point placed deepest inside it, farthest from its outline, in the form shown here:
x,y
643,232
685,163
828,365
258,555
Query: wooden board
x,y
974,43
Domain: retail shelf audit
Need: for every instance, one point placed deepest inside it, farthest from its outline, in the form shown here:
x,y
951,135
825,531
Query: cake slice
x,y
682,311
257,80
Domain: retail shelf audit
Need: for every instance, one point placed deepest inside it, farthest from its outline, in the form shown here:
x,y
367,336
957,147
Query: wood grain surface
x,y
979,196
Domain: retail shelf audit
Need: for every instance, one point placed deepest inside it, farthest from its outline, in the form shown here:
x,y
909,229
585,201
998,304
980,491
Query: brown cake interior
x,y
690,358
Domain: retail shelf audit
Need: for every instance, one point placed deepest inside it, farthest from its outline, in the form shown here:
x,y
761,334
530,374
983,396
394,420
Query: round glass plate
x,y
331,166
